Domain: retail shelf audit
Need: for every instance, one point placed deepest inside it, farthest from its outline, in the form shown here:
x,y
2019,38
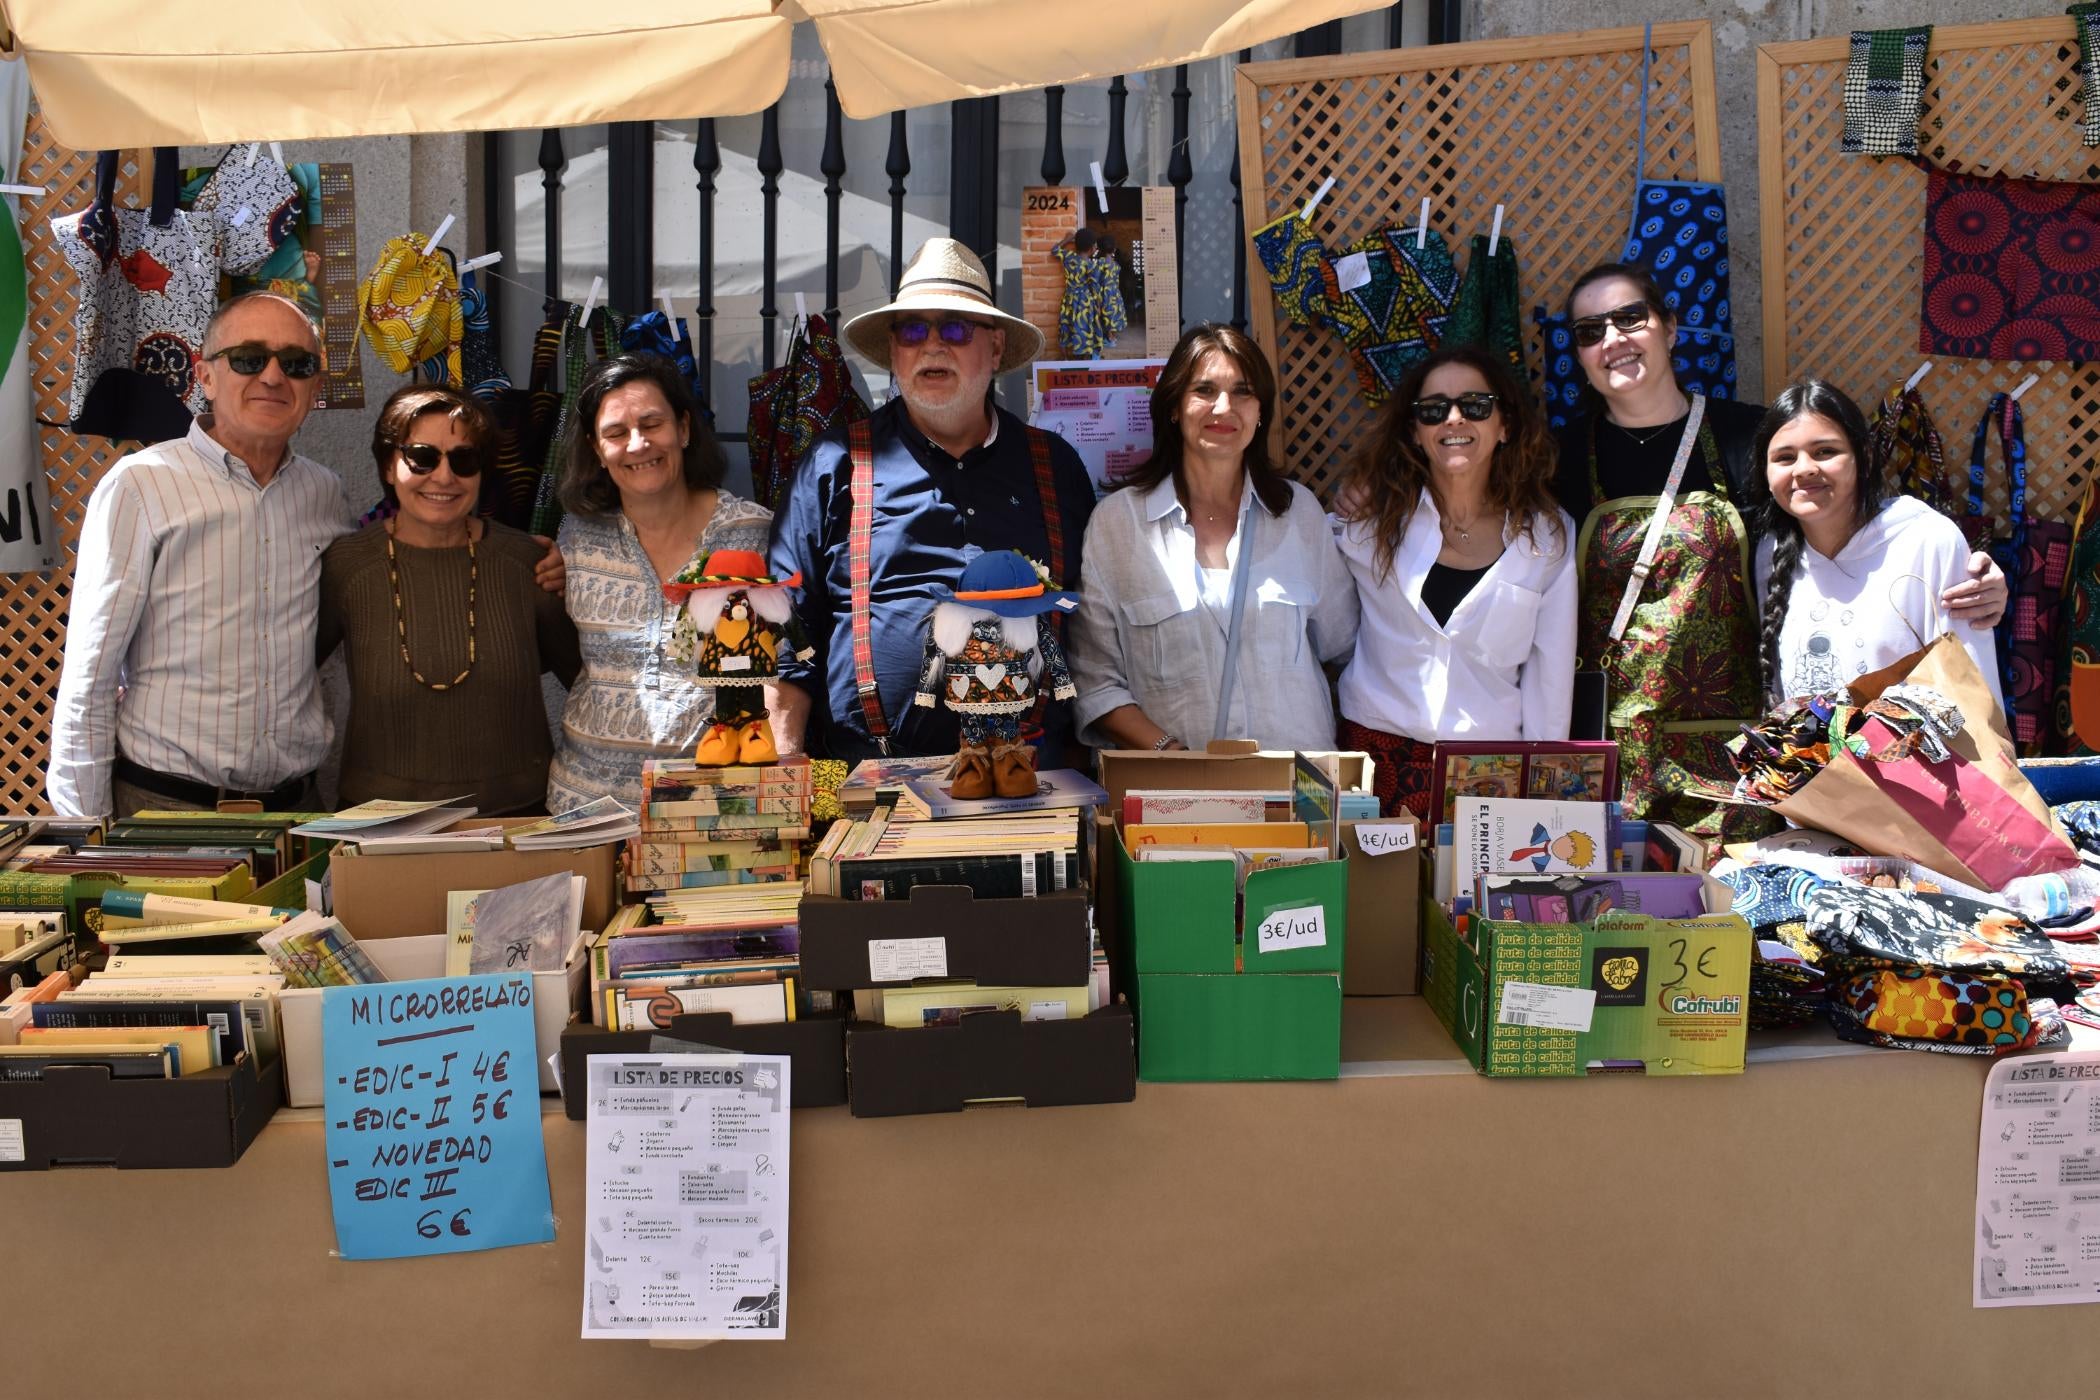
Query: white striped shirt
x,y
198,592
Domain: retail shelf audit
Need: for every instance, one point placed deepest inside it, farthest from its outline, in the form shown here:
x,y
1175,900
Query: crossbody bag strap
x,y
1241,567
860,444
1046,487
1659,521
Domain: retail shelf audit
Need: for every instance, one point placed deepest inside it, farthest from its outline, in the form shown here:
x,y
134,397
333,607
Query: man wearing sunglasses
x,y
948,475
189,674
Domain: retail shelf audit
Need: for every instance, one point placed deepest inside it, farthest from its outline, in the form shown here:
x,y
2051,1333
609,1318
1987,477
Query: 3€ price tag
x,y
1286,929
1384,838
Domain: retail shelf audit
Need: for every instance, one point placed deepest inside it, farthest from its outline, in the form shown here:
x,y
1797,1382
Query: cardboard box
x,y
1671,995
1384,954
82,1117
1212,1026
948,932
817,1045
1185,916
397,896
556,999
995,1057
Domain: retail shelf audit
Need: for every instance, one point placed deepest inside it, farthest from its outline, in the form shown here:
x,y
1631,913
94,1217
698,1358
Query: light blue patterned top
x,y
633,700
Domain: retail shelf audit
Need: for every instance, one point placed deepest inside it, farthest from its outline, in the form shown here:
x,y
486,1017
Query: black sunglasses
x,y
423,458
297,362
1477,407
915,332
1628,318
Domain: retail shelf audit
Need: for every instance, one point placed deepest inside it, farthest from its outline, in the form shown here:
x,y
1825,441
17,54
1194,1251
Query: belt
x,y
190,790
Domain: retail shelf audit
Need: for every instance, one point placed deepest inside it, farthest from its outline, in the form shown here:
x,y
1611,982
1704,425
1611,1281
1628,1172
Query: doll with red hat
x,y
736,615
993,642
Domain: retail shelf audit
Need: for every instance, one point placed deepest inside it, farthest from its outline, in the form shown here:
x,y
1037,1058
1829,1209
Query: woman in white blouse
x,y
1465,571
1211,593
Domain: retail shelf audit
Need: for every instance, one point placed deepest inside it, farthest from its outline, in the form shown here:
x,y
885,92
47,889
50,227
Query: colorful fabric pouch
x,y
1769,895
1294,260
1936,1004
479,361
2088,19
408,308
652,333
1485,312
1908,446
1399,313
792,405
1864,929
255,205
1884,86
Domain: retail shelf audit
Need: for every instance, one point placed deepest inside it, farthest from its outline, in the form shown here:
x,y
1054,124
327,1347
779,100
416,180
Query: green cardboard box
x,y
1627,994
1213,1026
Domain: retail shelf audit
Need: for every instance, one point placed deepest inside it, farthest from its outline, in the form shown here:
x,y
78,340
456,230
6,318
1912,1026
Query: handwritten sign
x,y
1385,838
433,1110
685,1211
1304,927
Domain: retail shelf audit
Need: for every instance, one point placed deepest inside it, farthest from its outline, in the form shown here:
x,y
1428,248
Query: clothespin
x,y
254,150
663,299
1100,184
485,260
2028,383
277,151
590,303
33,191
802,308
1422,228
1915,375
1311,204
436,238
1495,233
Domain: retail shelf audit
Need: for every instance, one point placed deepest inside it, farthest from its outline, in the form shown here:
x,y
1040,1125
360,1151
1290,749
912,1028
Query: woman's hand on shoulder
x,y
551,572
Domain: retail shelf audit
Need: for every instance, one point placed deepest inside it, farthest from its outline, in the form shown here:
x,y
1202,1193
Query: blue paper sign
x,y
433,1100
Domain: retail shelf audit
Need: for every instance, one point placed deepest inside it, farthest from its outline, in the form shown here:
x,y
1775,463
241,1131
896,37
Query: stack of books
x,y
734,949
1012,857
704,828
145,1017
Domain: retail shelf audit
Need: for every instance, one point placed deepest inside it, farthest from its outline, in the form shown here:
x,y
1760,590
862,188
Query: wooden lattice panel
x,y
1843,235
33,605
1546,127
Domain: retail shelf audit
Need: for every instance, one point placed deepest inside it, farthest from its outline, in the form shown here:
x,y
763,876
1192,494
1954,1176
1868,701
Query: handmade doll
x,y
993,640
735,616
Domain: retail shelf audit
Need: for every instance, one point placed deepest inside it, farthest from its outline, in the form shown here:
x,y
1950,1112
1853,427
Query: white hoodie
x,y
1877,602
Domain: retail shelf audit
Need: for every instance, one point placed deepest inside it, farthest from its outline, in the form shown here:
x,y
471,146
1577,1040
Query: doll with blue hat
x,y
991,655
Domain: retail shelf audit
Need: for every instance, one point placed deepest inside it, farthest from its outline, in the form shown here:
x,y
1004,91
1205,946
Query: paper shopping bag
x,y
1973,818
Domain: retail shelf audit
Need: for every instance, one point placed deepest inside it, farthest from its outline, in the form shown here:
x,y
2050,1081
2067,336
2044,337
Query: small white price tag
x,y
1554,1008
1046,1011
11,1147
1384,838
736,663
1292,928
1353,271
902,959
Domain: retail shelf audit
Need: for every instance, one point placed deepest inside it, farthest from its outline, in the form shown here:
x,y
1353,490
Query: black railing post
x,y
1054,135
1115,163
1320,41
897,165
769,167
1396,26
1239,217
973,205
630,215
833,166
1180,170
1446,21
707,163
551,161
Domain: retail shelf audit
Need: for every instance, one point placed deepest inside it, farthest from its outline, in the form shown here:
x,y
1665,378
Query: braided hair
x,y
1769,519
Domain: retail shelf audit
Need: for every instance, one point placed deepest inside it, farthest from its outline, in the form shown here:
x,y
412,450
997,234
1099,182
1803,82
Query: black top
x,y
1636,462
1445,588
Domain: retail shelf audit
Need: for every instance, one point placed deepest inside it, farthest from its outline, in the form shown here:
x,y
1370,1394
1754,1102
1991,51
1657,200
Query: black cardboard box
x,y
945,931
816,1046
79,1116
995,1056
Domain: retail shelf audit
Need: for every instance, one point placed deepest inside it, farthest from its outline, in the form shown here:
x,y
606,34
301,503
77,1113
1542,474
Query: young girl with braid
x,y
1850,577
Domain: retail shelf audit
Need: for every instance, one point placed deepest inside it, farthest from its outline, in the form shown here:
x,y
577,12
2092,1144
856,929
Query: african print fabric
x,y
1884,84
2012,268
1485,313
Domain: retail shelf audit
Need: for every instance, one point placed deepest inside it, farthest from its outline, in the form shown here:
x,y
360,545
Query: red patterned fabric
x,y
1401,769
2012,268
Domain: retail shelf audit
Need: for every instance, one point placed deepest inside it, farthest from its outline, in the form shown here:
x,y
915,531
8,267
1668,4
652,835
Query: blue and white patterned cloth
x,y
634,701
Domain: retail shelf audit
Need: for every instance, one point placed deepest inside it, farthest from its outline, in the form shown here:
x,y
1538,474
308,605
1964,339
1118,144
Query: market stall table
x,y
1411,1229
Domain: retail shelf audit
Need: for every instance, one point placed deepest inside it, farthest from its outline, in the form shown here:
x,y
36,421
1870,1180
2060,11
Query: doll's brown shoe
x,y
971,777
1013,770
718,747
757,744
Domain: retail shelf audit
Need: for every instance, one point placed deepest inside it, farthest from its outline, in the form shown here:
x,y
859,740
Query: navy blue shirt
x,y
933,514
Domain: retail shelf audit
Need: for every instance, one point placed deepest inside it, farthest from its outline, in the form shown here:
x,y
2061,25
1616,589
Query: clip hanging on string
x,y
1306,213
444,228
1100,184
590,303
802,308
254,149
1422,228
2028,383
1915,375
663,299
1495,233
32,191
485,260
277,151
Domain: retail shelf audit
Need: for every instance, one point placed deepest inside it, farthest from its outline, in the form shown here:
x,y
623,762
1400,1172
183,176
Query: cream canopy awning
x,y
130,73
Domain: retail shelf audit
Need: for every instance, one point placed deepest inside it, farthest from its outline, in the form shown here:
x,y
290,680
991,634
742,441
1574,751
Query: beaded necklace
x,y
393,579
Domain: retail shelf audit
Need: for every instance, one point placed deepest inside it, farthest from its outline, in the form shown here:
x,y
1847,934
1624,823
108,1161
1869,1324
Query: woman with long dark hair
x,y
1465,575
1211,594
1851,577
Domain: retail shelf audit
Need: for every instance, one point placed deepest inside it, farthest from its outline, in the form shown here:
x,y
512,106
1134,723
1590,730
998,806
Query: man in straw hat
x,y
883,515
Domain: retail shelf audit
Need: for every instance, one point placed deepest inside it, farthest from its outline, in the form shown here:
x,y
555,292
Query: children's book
x,y
1523,836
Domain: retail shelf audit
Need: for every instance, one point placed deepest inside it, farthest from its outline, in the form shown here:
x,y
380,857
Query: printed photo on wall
x,y
1103,284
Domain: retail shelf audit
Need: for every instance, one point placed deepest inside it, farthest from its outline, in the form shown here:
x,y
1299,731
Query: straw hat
x,y
943,276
